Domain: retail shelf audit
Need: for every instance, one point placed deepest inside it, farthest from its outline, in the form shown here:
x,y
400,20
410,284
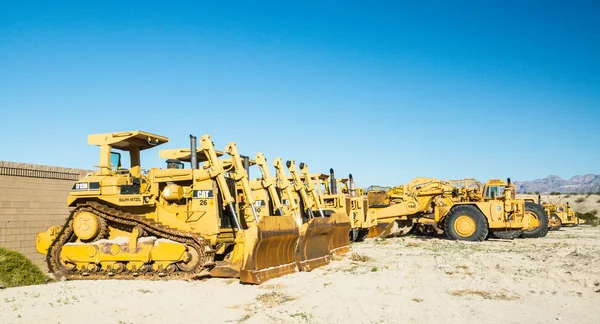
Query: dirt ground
x,y
411,279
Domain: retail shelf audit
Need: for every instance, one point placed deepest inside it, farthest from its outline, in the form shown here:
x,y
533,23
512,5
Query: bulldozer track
x,y
152,228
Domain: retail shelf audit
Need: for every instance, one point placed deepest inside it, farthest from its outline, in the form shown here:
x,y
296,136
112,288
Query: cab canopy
x,y
127,141
184,155
132,142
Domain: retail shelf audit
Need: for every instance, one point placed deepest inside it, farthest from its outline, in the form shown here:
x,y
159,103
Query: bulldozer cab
x,y
111,178
132,142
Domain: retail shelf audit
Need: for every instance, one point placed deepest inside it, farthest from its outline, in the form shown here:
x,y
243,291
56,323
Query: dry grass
x,y
267,300
361,258
337,257
484,294
417,300
273,298
272,287
412,244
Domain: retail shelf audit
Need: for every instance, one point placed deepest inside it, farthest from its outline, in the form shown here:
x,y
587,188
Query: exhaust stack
x,y
333,182
352,187
247,165
193,153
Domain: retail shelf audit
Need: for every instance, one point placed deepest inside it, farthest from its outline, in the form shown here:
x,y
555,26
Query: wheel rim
x,y
464,226
534,221
86,225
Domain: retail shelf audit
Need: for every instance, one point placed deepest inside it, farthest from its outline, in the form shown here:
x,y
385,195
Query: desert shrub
x,y
598,201
555,193
568,196
590,217
16,270
537,192
594,212
579,200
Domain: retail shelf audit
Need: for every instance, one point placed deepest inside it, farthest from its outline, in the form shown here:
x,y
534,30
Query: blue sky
x,y
385,90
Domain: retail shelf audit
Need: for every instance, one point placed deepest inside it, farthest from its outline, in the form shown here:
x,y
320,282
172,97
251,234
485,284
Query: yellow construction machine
x,y
462,215
554,222
472,190
316,233
561,215
396,210
312,247
340,195
172,223
340,240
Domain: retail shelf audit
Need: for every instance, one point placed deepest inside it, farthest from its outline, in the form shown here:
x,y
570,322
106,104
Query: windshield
x,y
115,160
494,191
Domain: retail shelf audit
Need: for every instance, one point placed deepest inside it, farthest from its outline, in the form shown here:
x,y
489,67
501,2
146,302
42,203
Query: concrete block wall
x,y
32,198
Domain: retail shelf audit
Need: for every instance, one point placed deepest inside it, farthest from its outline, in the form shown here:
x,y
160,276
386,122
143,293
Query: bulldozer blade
x,y
340,240
400,228
372,232
313,246
381,230
262,252
225,269
271,249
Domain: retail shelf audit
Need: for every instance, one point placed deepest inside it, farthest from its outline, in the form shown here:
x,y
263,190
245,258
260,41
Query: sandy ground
x,y
411,279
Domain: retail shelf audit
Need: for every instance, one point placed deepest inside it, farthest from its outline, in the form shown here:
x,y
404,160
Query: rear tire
x,y
537,211
466,223
556,218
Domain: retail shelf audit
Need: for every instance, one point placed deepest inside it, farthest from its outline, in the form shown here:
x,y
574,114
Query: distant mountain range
x,y
577,184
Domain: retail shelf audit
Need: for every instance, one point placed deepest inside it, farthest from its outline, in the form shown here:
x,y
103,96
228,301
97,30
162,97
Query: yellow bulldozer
x,y
339,243
470,214
261,197
165,223
339,196
316,232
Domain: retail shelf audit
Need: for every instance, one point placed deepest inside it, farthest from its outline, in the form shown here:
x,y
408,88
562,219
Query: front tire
x,y
466,223
537,214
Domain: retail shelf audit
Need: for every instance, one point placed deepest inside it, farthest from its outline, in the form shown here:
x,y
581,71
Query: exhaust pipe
x,y
333,182
539,199
247,165
193,154
352,186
